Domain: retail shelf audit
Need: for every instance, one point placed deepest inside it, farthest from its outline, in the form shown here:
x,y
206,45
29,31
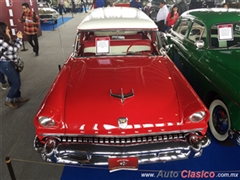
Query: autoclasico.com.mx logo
x,y
191,174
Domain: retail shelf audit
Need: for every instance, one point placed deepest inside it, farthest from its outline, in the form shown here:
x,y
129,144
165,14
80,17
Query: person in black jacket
x,y
182,7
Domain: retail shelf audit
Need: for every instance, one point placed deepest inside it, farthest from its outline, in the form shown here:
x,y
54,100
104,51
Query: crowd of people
x,y
165,19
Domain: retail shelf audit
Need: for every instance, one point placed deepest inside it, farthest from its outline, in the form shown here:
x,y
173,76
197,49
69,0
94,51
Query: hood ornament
x,y
122,122
122,96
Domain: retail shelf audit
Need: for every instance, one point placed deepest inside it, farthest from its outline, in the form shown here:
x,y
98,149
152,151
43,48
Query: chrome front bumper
x,y
235,135
48,18
54,150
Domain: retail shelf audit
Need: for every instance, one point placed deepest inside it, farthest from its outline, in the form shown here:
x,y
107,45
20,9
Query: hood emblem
x,y
122,96
122,122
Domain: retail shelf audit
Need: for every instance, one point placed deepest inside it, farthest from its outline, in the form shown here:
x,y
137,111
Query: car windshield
x,y
225,35
119,42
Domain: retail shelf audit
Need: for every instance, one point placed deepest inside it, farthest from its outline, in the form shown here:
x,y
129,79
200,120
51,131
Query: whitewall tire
x,y
219,122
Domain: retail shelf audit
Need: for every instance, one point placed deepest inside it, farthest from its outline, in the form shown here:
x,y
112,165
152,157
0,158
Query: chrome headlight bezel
x,y
46,121
197,116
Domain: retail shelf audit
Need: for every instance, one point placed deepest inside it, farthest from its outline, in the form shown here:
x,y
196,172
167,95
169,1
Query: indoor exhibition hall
x,y
119,90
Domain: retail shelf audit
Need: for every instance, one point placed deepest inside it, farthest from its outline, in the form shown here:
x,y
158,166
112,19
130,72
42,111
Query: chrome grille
x,y
122,140
46,16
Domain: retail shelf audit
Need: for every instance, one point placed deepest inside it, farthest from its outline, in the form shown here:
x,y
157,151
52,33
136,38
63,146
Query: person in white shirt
x,y
162,16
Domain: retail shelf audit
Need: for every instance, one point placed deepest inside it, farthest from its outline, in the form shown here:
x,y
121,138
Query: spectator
x,y
83,4
49,2
162,16
136,4
172,17
182,7
31,23
3,81
87,3
106,3
61,7
225,5
73,6
8,53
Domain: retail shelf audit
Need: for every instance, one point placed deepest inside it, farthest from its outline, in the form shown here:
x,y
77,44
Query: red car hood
x,y
91,107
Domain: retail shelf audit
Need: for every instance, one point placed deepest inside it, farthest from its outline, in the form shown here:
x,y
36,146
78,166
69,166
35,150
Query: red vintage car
x,y
119,100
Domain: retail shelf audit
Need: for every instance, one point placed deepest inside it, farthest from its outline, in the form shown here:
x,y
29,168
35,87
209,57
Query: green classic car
x,y
206,49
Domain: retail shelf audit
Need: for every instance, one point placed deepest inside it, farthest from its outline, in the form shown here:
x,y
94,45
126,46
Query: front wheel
x,y
55,21
219,122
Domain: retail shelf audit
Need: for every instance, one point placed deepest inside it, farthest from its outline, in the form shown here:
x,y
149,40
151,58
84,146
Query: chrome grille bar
x,y
122,140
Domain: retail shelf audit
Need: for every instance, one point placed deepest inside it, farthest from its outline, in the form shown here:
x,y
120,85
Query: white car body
x,y
47,13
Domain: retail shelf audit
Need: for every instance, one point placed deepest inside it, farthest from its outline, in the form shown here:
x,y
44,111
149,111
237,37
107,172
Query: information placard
x,y
225,32
102,45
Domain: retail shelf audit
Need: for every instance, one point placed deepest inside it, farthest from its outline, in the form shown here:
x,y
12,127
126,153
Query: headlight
x,y
46,121
197,116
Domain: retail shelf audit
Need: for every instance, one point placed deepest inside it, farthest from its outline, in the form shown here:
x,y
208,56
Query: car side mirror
x,y
199,44
163,51
168,47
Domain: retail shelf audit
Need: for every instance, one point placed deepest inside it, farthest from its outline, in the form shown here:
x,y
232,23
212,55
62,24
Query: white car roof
x,y
117,18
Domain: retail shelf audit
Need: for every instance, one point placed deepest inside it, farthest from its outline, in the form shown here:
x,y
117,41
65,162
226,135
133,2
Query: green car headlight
x,y
197,116
46,121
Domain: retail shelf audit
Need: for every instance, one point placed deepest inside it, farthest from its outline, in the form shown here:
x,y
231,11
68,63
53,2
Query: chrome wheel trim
x,y
219,122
